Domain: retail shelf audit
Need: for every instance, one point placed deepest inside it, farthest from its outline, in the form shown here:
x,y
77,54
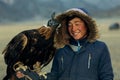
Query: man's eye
x,y
77,24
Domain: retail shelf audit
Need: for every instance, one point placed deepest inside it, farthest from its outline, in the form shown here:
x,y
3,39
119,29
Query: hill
x,y
20,10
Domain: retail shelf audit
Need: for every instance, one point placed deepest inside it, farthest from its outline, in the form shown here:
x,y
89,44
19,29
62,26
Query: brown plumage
x,y
29,47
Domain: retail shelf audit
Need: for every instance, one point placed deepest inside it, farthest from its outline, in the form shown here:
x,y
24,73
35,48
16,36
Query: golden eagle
x,y
30,47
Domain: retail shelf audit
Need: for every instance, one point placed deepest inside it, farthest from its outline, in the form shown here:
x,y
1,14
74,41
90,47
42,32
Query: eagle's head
x,y
53,22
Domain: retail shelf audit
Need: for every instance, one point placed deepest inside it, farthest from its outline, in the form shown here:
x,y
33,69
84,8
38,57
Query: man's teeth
x,y
75,33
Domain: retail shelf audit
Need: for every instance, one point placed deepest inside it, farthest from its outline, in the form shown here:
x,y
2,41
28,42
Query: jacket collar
x,y
76,42
79,43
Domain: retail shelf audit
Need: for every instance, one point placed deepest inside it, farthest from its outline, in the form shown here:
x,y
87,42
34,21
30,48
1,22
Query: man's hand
x,y
22,71
30,75
19,74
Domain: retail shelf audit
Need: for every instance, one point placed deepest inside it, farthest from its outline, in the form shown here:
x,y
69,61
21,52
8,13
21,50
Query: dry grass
x,y
112,39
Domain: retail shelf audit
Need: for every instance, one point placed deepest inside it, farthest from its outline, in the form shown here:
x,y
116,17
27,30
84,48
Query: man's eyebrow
x,y
75,21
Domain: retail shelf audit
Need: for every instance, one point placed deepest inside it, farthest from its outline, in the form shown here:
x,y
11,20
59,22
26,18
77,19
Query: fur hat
x,y
81,10
63,37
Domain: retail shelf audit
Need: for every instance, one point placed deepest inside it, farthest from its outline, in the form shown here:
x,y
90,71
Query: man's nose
x,y
73,27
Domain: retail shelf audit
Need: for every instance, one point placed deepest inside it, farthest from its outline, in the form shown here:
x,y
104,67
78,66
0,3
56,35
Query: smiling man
x,y
83,57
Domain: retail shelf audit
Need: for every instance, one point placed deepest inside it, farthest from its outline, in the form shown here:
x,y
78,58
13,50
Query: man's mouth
x,y
75,33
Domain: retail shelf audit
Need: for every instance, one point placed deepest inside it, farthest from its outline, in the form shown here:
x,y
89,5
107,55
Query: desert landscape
x,y
111,38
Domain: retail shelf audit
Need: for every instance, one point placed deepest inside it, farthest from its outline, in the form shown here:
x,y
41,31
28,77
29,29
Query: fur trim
x,y
45,31
62,38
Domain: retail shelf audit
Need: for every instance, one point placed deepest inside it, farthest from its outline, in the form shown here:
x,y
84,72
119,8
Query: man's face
x,y
77,28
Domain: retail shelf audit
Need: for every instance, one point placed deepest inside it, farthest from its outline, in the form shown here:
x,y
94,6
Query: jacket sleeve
x,y
105,70
53,75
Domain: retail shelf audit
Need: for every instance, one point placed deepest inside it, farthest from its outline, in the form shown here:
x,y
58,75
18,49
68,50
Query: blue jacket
x,y
91,62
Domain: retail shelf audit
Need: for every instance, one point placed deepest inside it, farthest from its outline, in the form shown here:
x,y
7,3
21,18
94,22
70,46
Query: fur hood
x,y
62,37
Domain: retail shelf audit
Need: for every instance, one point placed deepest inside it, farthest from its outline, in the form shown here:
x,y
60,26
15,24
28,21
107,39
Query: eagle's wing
x,y
14,48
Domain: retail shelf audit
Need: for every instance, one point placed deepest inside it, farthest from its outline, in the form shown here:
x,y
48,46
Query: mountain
x,y
19,10
97,8
28,9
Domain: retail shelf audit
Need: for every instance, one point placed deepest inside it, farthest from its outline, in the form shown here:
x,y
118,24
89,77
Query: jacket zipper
x,y
89,60
62,62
